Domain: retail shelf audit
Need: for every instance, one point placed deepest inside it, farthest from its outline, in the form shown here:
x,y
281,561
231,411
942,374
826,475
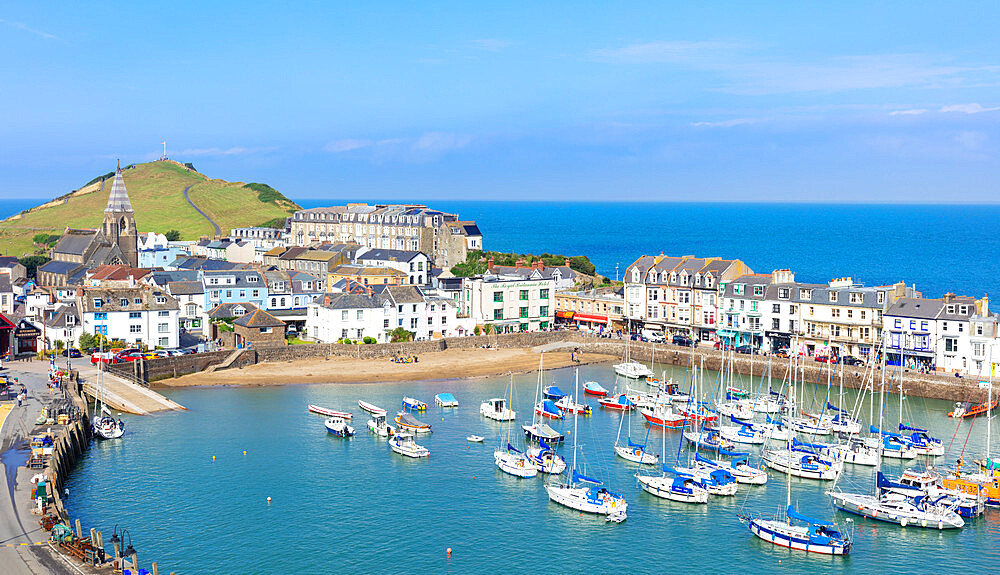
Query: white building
x,y
416,265
509,303
346,315
137,315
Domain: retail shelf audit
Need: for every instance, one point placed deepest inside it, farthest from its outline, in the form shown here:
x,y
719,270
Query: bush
x,y
399,334
475,330
370,340
46,239
172,235
60,344
276,223
87,341
31,264
190,166
266,193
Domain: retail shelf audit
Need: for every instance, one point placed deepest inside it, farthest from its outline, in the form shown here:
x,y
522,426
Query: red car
x,y
723,345
130,355
822,359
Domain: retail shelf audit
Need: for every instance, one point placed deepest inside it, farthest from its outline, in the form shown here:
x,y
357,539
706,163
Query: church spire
x,y
118,200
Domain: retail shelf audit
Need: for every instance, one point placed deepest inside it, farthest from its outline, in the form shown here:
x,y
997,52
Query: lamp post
x,y
130,552
116,542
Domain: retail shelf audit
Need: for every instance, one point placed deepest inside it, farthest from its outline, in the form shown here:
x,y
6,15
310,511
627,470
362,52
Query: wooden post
x,y
154,569
79,530
135,563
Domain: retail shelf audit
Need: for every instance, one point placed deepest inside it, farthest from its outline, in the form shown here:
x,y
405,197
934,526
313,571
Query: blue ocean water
x,y
939,248
351,505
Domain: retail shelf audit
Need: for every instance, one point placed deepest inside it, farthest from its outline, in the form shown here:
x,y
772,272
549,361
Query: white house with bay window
x,y
509,303
138,315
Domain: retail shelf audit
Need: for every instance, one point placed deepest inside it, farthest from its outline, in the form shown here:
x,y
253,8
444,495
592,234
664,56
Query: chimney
x,y
539,265
985,306
326,300
948,297
567,262
517,265
489,264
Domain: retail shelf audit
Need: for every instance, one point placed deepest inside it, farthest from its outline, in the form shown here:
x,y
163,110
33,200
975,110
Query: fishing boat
x,y
379,426
553,392
594,388
674,394
370,408
647,400
407,422
547,408
404,444
542,432
654,381
969,409
663,416
585,493
445,400
984,483
567,404
338,426
330,412
545,459
496,409
619,402
414,404
739,468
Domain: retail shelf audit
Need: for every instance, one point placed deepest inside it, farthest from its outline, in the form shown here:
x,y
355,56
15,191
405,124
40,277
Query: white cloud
x,y
914,112
24,27
491,44
346,145
676,51
971,140
727,123
441,142
968,108
427,146
234,151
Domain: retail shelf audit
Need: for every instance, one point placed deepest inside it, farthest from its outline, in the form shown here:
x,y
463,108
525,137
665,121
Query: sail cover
x,y
903,427
832,407
792,513
581,478
633,444
549,407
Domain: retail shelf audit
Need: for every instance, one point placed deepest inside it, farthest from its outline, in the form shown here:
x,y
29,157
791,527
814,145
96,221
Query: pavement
x,y
121,394
24,547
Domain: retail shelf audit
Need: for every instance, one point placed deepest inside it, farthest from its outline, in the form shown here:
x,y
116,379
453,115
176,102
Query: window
x,y
134,314
979,329
163,314
430,320
414,308
123,302
977,348
880,297
654,295
361,314
775,324
792,309
684,297
163,328
738,289
542,311
100,315
850,313
835,330
343,333
743,304
951,309
863,313
524,327
498,314
835,312
255,293
229,293
138,301
413,323
524,312
524,295
776,308
812,310
215,294
498,296
782,293
543,294
343,315
758,291
135,329
833,296
805,294
164,341
950,344
385,324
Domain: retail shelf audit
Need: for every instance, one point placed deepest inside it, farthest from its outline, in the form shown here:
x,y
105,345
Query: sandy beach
x,y
448,364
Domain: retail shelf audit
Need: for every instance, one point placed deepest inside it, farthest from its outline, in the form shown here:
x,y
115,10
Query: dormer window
x,y
758,291
697,279
684,279
635,275
963,309
673,276
880,297
252,279
161,299
951,309
138,301
123,302
98,302
833,297
805,294
708,281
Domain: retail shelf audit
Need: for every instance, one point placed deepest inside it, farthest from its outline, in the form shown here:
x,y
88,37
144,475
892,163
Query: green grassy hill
x,y
157,193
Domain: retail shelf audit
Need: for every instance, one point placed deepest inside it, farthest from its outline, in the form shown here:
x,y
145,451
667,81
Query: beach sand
x,y
448,364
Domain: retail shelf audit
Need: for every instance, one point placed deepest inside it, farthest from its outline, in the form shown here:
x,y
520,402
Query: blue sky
x,y
865,102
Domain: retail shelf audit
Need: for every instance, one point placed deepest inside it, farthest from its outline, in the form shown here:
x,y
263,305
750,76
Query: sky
x,y
625,101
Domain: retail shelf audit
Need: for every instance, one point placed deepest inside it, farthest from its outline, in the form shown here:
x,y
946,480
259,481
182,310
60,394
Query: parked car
x,y
781,352
131,355
682,340
748,350
822,359
723,345
850,360
653,336
72,352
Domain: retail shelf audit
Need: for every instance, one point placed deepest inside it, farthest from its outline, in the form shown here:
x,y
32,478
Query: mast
x,y
576,413
881,411
788,469
989,406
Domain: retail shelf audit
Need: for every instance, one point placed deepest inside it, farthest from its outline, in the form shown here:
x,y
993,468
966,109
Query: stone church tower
x,y
119,221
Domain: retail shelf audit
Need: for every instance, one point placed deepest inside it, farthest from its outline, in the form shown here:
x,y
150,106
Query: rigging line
x,y
971,424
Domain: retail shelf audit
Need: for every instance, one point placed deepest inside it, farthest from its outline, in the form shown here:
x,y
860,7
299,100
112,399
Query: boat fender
x,y
923,523
902,521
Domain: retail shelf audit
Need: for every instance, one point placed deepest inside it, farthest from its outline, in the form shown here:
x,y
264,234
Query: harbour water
x,y
351,505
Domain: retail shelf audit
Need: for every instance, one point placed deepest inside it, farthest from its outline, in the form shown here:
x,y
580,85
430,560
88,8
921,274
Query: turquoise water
x,y
351,505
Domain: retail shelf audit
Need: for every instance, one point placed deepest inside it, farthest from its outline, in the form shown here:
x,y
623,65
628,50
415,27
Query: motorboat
x,y
445,400
632,369
547,408
553,392
497,409
475,438
371,408
330,412
379,426
514,462
567,404
542,432
404,444
414,404
338,426
663,416
928,482
407,422
594,388
619,402
969,409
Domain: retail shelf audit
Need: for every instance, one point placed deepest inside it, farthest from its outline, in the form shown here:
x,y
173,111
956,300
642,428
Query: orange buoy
x,y
449,552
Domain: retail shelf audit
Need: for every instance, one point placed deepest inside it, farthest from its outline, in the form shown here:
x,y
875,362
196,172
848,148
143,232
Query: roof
x,y
118,200
185,288
75,242
399,294
275,251
349,301
199,263
293,252
350,270
111,299
8,261
225,310
117,272
59,267
390,255
259,318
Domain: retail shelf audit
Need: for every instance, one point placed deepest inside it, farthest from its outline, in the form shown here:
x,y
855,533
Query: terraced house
x,y
415,227
509,303
678,294
138,315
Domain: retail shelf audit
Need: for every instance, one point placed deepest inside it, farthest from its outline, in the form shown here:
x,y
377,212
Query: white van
x,y
653,336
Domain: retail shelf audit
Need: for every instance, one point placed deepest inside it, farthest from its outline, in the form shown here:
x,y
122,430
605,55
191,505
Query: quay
x,y
37,536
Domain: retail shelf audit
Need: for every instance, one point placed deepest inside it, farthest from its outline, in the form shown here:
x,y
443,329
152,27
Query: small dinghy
x,y
475,438
410,423
403,444
594,388
445,400
619,402
371,408
553,392
330,412
547,408
414,404
338,426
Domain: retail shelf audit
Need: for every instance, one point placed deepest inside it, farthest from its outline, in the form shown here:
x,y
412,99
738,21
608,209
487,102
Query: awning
x,y
591,318
565,314
725,333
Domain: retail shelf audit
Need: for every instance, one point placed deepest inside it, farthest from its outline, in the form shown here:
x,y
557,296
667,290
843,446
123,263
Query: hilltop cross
x,y
164,156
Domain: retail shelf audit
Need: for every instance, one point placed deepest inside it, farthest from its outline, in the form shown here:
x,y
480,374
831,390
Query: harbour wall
x,y
914,383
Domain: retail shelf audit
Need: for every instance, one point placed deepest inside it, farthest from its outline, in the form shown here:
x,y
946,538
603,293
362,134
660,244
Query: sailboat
x,y
984,483
810,535
508,458
105,426
545,458
629,367
537,430
630,451
585,493
739,468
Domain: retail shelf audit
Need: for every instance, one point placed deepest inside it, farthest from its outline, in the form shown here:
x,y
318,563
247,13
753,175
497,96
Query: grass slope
x,y
156,190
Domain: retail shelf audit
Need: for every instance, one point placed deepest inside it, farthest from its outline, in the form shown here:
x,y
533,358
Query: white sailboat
x,y
631,451
508,458
630,368
105,426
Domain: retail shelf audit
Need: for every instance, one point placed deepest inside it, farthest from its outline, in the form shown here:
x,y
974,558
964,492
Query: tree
x,y
60,344
475,330
400,335
86,341
31,264
172,235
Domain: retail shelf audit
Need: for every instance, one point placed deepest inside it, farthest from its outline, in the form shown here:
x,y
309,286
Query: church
x,y
79,250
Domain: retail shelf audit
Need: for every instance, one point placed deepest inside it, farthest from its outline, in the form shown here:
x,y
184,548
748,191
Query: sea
x,y
192,489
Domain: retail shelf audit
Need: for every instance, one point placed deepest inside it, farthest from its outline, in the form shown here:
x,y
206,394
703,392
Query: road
x,y
218,231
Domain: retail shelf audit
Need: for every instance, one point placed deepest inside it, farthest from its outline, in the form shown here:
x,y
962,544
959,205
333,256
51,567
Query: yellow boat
x,y
984,484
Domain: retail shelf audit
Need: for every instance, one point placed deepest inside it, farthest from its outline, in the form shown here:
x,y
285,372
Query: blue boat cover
x,y
699,457
773,420
743,423
831,407
874,429
549,406
579,477
594,386
796,515
554,391
446,397
624,400
908,428
882,482
632,444
680,483
545,446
